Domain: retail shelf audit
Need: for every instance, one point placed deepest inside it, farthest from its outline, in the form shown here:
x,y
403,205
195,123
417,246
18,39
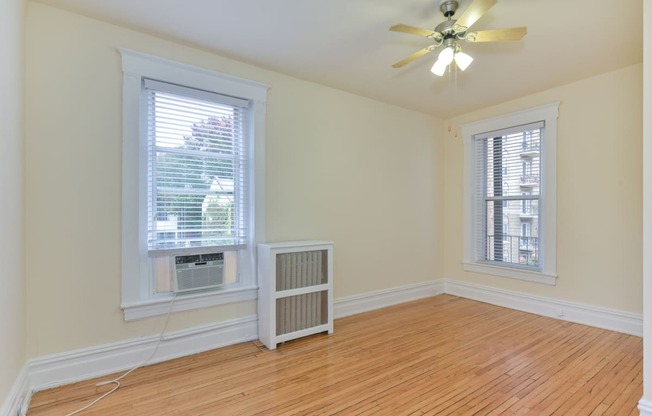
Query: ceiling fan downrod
x,y
448,8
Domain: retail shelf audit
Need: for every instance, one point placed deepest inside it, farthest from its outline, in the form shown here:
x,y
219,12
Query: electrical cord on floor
x,y
116,381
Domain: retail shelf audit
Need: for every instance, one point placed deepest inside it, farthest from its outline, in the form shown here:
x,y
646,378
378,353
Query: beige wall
x,y
12,295
360,173
599,201
365,174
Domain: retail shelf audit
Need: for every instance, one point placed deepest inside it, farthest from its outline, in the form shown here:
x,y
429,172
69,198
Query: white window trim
x,y
138,300
548,204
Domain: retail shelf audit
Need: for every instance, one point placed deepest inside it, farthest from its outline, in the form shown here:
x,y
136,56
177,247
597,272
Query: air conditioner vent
x,y
198,271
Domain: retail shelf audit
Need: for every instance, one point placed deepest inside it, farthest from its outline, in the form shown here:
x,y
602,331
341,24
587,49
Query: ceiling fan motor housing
x,y
448,7
446,28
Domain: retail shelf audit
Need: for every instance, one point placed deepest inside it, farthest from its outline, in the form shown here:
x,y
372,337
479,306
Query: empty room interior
x,y
424,207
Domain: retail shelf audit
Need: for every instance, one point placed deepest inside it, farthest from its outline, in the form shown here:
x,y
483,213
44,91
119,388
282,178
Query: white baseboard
x,y
69,367
628,323
645,407
58,369
352,305
19,396
72,366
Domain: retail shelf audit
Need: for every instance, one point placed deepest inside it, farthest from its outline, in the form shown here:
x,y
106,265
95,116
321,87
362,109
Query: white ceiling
x,y
346,44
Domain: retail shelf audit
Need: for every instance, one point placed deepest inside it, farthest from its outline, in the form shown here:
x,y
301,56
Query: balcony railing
x,y
529,180
514,249
530,150
529,210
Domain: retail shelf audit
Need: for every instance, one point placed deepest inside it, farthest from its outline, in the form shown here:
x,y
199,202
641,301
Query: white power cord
x,y
116,381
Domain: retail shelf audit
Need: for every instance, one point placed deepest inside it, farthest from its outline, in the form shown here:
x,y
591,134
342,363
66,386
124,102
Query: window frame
x,y
240,163
138,297
548,200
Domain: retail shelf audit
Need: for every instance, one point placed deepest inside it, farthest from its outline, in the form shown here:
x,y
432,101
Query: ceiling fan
x,y
451,31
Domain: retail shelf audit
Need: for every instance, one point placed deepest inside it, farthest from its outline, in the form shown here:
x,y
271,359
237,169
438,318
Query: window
x,y
526,201
523,144
197,169
193,180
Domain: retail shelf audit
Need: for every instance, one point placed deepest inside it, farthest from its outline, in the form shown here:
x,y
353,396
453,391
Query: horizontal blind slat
x,y
506,175
197,176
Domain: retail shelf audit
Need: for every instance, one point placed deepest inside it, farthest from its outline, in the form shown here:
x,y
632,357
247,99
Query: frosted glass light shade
x,y
446,55
438,68
463,60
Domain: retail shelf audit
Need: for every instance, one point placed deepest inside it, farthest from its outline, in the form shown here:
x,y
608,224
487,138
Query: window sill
x,y
161,305
512,273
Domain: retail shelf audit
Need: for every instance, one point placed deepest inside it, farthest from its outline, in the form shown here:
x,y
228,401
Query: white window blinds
x,y
197,167
507,193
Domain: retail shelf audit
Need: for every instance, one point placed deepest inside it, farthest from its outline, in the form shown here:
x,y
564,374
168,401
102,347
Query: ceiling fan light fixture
x,y
446,55
439,68
463,60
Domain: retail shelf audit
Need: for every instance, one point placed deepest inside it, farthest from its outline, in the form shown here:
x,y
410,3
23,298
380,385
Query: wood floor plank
x,y
439,356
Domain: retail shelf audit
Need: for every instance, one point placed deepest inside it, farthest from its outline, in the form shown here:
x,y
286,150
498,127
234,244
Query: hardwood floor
x,y
438,356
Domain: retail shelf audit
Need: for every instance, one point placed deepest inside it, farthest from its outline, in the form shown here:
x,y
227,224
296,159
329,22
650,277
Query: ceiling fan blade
x,y
414,56
415,31
515,33
472,14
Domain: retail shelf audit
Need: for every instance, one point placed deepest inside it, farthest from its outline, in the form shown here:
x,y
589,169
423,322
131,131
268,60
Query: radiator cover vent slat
x,y
299,270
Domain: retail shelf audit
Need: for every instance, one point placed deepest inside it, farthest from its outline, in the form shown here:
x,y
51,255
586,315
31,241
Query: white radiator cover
x,y
295,290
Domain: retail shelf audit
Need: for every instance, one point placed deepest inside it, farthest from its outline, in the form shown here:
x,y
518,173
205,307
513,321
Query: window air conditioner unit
x,y
197,272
